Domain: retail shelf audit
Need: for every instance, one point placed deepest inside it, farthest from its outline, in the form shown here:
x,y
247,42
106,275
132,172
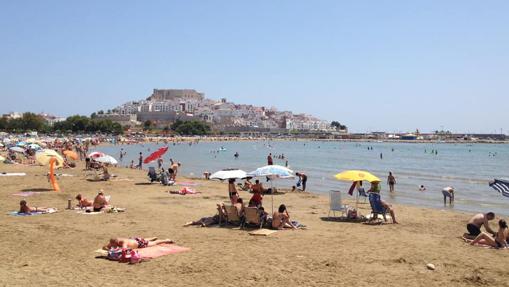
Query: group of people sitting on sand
x,y
280,219
100,202
490,238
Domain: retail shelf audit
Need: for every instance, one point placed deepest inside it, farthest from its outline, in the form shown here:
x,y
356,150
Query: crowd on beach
x,y
235,211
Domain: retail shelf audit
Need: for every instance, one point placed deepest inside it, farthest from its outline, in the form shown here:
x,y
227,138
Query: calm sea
x,y
466,167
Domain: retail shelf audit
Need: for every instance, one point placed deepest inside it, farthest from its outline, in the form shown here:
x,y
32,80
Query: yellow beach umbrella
x,y
356,175
43,157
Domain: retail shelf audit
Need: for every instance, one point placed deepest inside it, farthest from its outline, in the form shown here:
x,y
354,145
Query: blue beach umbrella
x,y
501,186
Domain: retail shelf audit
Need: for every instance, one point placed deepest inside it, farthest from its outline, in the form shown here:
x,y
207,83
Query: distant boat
x,y
221,149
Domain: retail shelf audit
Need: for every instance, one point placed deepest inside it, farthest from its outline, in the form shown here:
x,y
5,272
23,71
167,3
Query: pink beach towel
x,y
160,250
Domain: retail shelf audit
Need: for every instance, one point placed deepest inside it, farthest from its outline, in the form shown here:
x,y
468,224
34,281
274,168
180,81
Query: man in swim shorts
x,y
478,220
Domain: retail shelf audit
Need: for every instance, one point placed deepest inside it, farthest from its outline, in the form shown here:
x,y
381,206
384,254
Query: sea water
x,y
466,167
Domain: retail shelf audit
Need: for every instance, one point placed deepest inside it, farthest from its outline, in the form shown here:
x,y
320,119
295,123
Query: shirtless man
x,y
25,208
281,219
135,243
83,202
100,202
478,220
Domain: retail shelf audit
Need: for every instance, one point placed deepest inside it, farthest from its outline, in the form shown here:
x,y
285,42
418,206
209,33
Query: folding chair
x,y
335,203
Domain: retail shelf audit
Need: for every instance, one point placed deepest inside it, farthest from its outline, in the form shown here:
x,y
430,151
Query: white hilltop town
x,y
168,105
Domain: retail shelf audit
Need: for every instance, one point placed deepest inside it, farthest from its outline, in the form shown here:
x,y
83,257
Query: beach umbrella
x,y
71,154
21,144
17,149
229,174
95,154
356,175
155,155
7,141
34,146
44,156
108,159
272,172
501,186
1,145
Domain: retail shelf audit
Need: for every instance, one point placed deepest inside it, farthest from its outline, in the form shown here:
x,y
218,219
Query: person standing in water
x,y
269,159
140,161
391,181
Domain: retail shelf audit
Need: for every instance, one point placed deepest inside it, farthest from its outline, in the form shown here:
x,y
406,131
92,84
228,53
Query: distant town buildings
x,y
168,105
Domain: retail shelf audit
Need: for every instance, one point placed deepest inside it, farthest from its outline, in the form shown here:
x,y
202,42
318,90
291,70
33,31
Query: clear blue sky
x,y
372,65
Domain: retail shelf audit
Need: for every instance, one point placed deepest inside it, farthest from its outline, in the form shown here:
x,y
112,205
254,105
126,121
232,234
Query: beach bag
x,y
115,254
124,255
351,213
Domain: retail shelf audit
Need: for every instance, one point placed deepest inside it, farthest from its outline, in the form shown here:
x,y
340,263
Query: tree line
x,y
75,124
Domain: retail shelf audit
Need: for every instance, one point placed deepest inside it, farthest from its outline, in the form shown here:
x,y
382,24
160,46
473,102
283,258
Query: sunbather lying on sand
x,y
25,208
134,243
83,202
205,221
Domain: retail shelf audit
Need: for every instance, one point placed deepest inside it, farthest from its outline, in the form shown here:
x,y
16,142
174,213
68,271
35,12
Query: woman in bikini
x,y
499,241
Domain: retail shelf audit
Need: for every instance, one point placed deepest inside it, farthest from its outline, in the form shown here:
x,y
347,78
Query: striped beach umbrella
x,y
501,186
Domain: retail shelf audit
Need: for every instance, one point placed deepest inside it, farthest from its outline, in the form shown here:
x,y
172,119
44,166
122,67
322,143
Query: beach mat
x,y
161,250
188,183
15,213
12,174
262,232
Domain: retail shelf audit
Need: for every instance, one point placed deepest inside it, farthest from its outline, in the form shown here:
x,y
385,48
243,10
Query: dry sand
x,y
58,248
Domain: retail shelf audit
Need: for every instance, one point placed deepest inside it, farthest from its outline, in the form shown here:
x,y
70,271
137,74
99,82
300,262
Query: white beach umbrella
x,y
229,174
108,159
17,149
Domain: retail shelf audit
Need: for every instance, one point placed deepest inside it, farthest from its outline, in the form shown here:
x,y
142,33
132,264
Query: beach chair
x,y
253,217
232,215
376,206
152,174
335,203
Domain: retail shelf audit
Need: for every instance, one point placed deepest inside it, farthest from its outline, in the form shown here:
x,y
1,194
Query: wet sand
x,y
53,249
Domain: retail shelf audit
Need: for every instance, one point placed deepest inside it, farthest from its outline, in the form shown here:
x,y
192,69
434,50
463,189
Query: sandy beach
x,y
47,250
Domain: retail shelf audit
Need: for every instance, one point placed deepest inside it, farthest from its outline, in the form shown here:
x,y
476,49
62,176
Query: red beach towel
x,y
160,250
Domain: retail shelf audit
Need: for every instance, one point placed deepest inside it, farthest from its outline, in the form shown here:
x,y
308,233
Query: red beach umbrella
x,y
155,155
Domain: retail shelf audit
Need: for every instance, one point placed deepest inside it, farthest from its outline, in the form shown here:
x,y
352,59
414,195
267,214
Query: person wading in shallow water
x,y
391,181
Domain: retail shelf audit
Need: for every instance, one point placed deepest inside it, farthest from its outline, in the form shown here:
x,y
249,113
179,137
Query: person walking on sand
x,y
391,181
269,159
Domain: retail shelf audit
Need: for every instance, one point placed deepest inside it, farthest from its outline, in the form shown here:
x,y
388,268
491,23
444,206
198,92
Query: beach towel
x,y
16,213
160,250
13,174
187,183
262,232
